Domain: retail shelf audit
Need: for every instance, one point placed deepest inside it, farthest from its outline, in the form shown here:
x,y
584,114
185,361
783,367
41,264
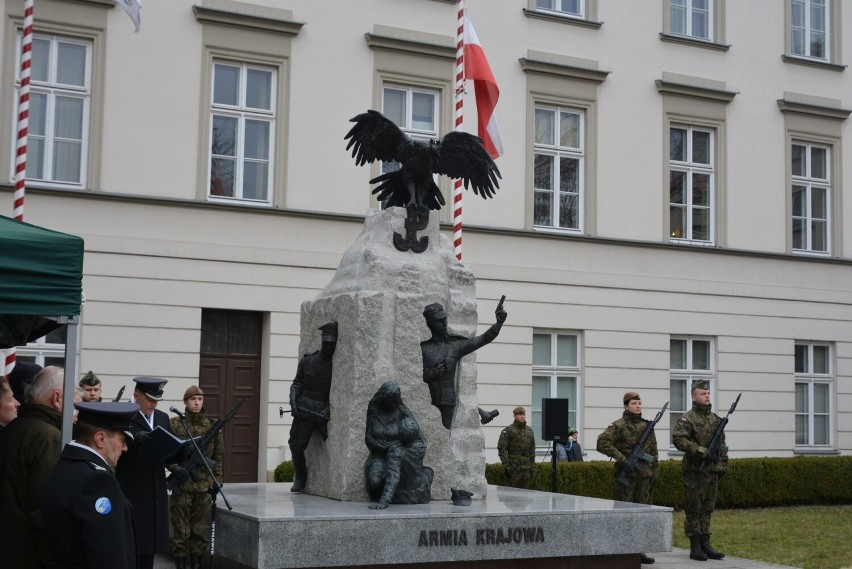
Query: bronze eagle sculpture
x,y
457,155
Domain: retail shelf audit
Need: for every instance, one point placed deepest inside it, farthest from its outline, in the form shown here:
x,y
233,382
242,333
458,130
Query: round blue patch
x,y
103,505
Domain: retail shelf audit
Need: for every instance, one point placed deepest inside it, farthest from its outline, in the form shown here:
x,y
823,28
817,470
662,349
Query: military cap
x,y
571,431
192,390
519,411
329,331
630,396
434,310
152,387
90,379
108,415
701,384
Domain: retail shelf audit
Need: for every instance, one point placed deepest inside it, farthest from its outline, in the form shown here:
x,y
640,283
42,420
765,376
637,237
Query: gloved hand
x,y
701,452
142,438
180,474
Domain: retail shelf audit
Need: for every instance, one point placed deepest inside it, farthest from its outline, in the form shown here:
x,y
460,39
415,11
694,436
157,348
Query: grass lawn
x,y
810,537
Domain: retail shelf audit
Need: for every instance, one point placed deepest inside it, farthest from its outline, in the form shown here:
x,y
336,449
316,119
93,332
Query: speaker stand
x,y
553,466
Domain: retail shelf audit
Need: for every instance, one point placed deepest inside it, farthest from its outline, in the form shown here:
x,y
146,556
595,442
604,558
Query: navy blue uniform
x,y
87,519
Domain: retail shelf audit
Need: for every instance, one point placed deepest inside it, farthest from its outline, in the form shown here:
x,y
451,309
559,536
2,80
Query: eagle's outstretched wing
x,y
374,137
462,155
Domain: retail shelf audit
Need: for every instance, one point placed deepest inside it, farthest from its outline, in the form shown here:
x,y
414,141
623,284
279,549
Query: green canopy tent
x,y
41,288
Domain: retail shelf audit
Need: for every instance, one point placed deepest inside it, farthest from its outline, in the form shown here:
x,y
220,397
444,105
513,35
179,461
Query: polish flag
x,y
485,88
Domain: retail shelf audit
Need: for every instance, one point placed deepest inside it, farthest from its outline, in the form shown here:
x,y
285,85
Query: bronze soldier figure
x,y
309,402
442,353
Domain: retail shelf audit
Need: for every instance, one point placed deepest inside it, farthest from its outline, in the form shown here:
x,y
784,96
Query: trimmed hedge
x,y
749,483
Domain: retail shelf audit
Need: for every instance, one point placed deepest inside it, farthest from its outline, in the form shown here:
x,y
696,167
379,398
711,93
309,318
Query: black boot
x,y
646,560
696,552
300,472
180,562
194,562
708,549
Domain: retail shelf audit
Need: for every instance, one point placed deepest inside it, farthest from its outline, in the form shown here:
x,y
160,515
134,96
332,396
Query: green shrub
x,y
749,483
284,471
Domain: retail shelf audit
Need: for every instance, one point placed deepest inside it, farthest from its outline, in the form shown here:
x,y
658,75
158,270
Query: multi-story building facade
x,y
672,203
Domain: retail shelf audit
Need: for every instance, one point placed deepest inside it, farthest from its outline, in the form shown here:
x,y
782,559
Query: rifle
x,y
118,397
715,446
194,461
631,464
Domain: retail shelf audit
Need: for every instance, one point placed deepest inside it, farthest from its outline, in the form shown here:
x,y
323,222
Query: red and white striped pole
x,y
459,119
23,112
21,143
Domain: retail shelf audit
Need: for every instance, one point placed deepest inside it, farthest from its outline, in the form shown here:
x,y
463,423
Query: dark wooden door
x,y
230,371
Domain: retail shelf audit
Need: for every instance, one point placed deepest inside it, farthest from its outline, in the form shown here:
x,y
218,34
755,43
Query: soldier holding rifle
x,y
699,433
632,443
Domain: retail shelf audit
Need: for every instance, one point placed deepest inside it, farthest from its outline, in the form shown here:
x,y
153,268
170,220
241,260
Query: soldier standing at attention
x,y
190,508
617,442
309,402
692,434
517,450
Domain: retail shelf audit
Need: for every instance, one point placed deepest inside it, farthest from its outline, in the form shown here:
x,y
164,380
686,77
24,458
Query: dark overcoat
x,y
87,519
143,481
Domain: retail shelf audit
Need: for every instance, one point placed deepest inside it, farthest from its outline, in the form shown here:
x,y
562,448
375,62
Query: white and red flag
x,y
485,88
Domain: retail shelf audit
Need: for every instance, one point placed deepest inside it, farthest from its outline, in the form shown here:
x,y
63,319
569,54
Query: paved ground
x,y
676,559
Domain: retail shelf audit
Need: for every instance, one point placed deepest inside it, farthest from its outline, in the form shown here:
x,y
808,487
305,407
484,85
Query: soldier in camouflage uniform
x,y
190,509
517,450
617,442
692,434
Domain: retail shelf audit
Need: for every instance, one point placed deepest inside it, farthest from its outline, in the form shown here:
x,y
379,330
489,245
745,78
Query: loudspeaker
x,y
554,419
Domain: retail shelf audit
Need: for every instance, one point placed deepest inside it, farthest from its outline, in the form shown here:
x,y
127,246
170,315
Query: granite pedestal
x,y
270,528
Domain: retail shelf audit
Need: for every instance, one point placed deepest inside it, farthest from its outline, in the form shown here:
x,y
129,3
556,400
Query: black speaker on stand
x,y
554,428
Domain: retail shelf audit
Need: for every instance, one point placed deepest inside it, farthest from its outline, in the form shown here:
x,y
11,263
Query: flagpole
x,y
458,99
21,142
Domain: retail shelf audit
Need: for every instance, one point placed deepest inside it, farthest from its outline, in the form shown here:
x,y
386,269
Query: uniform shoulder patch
x,y
103,506
682,421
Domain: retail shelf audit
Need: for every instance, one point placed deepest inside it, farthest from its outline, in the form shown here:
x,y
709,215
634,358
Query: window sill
x,y
556,17
557,230
691,243
812,63
695,42
815,451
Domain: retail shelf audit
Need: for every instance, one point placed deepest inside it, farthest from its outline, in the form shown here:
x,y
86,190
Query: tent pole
x,y
71,341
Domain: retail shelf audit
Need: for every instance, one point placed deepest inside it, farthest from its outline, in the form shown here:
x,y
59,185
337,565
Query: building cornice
x,y
420,43
563,66
788,106
669,87
230,13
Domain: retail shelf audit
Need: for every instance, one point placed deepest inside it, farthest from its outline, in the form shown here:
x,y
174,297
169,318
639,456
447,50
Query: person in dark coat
x,y
87,518
570,450
142,477
21,377
29,447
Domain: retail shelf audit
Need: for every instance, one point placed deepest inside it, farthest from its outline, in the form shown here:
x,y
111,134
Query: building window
x,y
809,28
60,93
559,162
691,360
46,351
415,111
241,126
813,394
567,7
691,184
692,18
555,373
811,193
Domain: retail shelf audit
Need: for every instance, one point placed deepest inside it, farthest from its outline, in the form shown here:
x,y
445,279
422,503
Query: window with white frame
x,y
809,28
691,184
60,94
46,351
691,18
814,382
558,168
414,110
690,360
242,124
555,374
567,7
811,193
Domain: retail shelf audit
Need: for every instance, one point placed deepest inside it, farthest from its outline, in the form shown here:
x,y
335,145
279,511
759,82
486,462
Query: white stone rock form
x,y
377,297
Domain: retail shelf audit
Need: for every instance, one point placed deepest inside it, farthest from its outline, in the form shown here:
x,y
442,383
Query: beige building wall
x,y
158,251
